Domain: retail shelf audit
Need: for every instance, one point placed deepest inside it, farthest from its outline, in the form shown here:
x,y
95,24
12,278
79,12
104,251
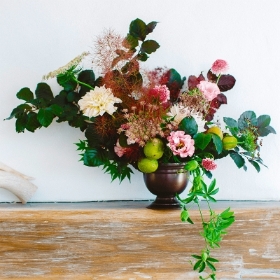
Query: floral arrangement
x,y
135,117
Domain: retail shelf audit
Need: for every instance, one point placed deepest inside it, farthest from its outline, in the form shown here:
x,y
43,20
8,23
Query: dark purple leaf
x,y
226,82
193,81
211,77
222,98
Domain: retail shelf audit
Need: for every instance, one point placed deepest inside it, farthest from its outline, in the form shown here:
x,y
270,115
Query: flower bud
x,y
191,165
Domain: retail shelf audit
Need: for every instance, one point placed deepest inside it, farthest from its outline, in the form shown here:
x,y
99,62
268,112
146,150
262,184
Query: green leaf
x,y
56,109
211,266
212,186
138,29
263,120
227,213
231,123
149,46
202,140
184,215
43,91
21,122
45,116
212,259
196,257
190,221
202,267
188,125
197,265
264,131
214,192
25,94
32,122
132,41
142,56
238,160
91,158
151,26
66,80
20,109
87,77
217,142
255,164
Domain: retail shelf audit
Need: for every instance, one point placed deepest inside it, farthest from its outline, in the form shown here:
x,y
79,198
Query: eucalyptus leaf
x,y
238,160
246,118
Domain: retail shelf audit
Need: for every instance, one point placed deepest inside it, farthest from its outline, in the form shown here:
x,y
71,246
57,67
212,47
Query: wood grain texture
x,y
124,240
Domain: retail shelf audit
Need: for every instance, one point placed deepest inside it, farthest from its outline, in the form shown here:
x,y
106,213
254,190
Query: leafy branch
x,y
213,229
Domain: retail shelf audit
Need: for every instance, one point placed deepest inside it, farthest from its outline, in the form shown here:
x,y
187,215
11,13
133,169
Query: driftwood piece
x,y
17,183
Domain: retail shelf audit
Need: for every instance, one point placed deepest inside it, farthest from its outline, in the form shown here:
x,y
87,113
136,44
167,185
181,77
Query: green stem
x,y
81,83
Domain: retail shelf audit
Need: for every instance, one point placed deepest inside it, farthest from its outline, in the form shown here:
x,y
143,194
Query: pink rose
x,y
181,144
219,66
209,90
209,164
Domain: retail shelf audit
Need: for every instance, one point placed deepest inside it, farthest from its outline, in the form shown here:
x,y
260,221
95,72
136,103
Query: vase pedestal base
x,y
169,202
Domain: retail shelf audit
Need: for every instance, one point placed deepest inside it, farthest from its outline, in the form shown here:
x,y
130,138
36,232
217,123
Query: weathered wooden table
x,y
124,240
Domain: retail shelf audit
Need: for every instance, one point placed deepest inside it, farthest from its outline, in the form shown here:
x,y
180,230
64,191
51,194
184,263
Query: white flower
x,y
179,112
98,101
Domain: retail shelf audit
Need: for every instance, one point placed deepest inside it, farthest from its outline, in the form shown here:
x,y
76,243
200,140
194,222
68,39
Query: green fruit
x,y
154,148
147,165
191,165
229,142
215,130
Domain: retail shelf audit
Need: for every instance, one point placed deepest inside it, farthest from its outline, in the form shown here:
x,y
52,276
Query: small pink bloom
x,y
219,67
160,92
181,144
125,126
119,150
209,164
209,90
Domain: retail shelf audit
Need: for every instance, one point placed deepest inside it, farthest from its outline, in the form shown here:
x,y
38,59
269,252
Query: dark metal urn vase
x,y
167,181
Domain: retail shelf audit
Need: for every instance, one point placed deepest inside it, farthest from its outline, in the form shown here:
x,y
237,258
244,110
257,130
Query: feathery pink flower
x,y
219,67
209,164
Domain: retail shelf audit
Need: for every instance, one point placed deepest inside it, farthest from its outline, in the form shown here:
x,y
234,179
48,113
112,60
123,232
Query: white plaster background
x,y
38,36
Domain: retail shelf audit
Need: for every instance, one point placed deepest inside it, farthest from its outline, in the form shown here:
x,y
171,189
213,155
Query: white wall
x,y
38,36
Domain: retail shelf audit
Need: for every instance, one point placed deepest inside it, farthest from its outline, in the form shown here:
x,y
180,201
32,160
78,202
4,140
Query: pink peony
x,y
209,164
181,144
161,93
209,90
219,67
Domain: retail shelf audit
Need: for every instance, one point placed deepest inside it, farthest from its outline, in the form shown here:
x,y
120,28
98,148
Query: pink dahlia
x,y
181,144
161,93
209,90
219,67
209,164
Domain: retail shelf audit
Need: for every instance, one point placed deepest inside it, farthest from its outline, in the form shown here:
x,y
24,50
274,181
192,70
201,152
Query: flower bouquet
x,y
135,117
